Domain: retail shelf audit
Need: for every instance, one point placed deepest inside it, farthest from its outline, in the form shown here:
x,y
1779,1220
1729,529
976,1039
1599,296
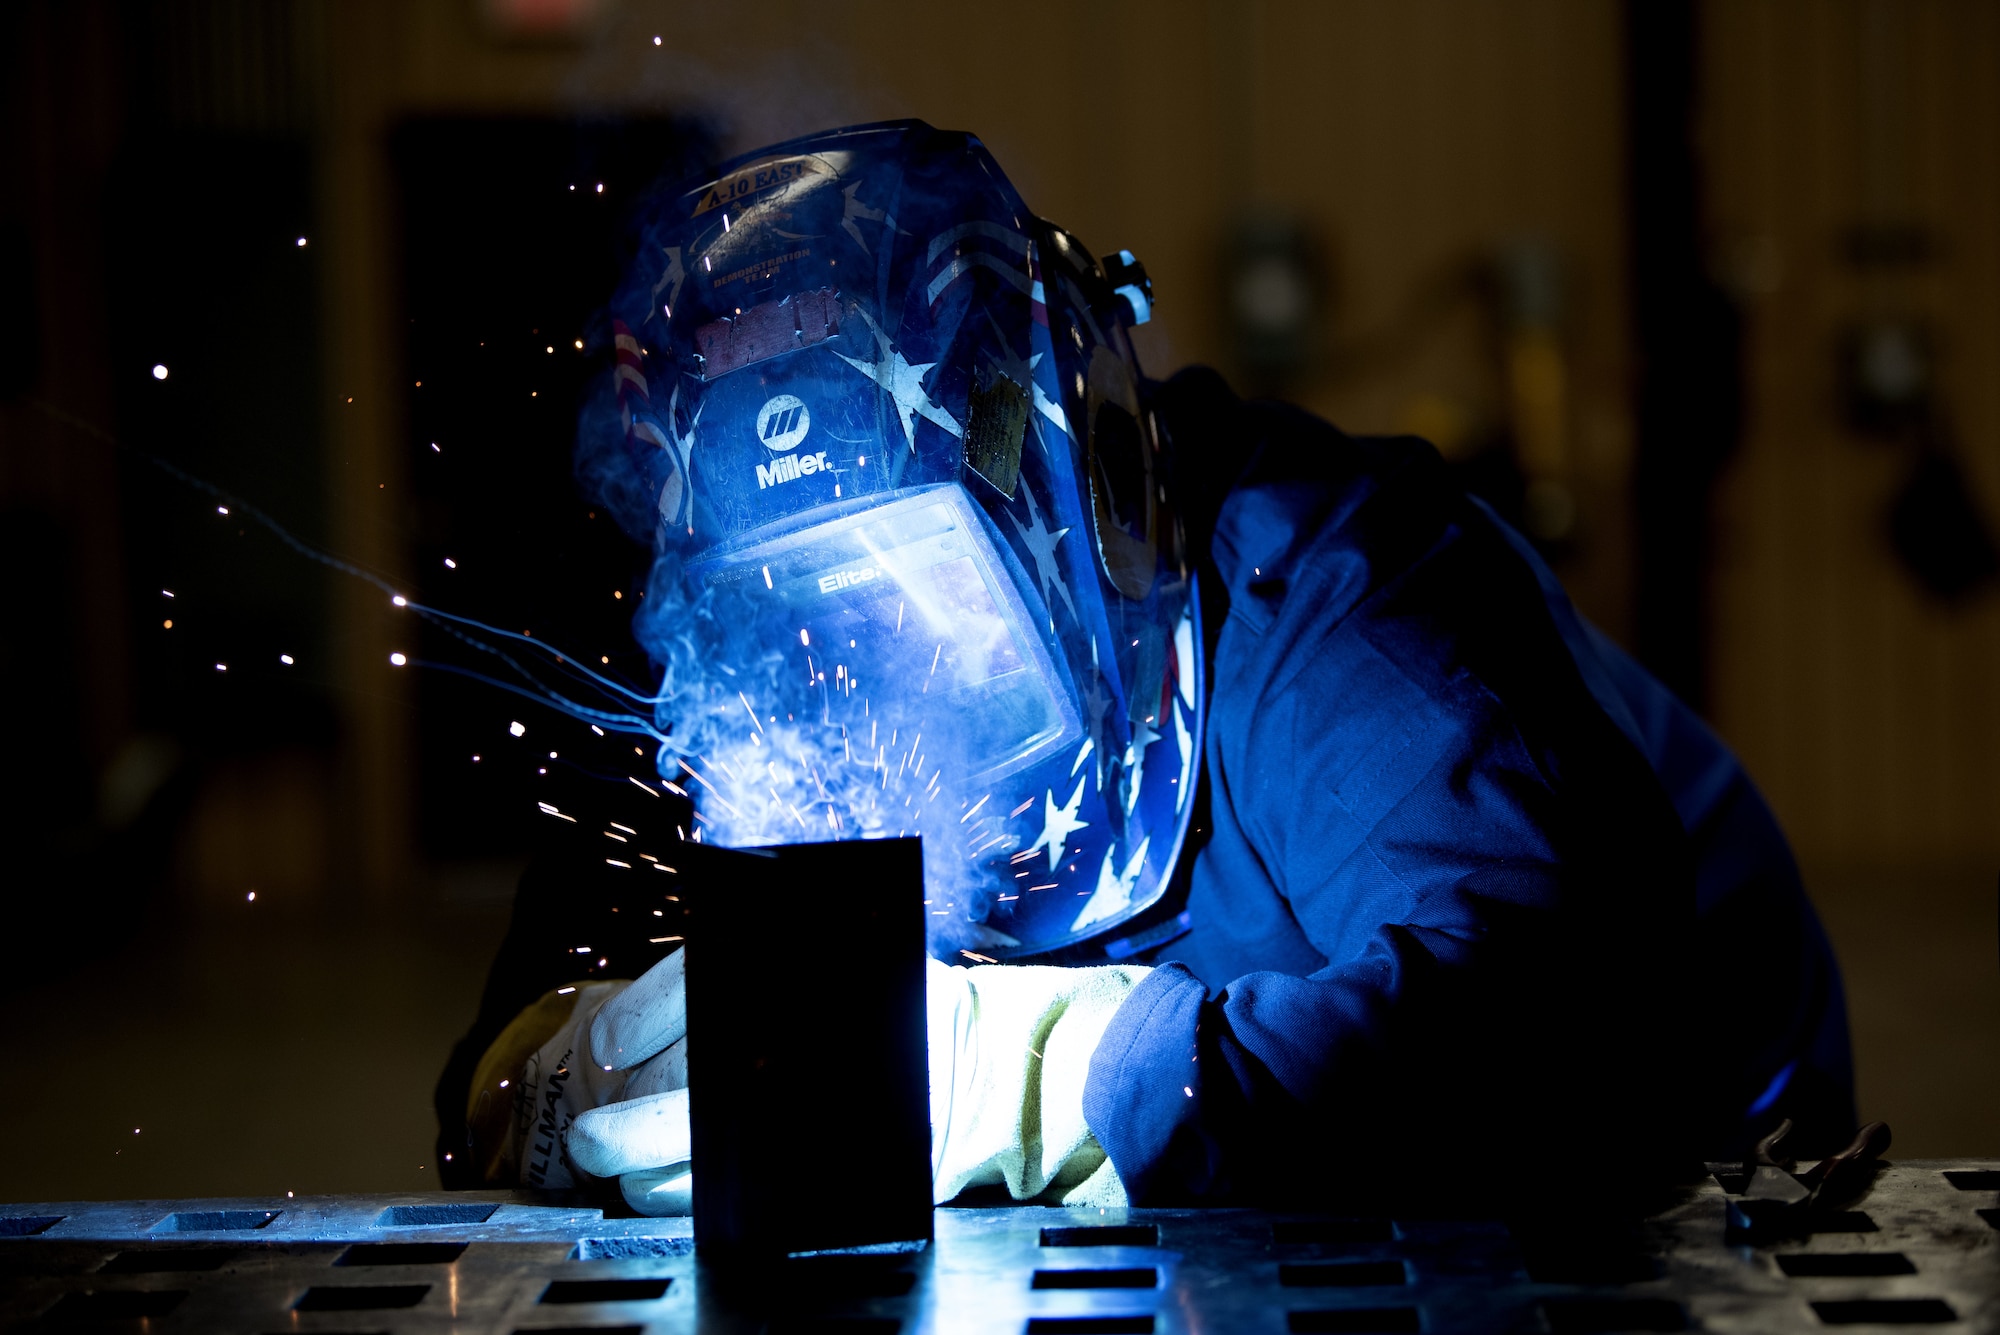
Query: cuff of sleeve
x,y
1142,1098
489,1104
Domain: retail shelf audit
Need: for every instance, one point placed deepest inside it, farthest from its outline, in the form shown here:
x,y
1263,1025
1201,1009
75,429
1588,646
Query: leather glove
x,y
584,1080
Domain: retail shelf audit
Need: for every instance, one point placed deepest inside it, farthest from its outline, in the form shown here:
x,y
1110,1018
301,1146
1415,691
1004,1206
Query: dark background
x,y
509,249
1702,294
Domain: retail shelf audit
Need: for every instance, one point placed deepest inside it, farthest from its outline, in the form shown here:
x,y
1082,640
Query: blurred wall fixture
x,y
1274,293
1887,353
542,20
1888,378
138,771
1529,278
1885,375
1937,529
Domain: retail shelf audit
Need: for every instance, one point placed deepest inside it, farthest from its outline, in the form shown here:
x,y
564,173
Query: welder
x,y
1288,834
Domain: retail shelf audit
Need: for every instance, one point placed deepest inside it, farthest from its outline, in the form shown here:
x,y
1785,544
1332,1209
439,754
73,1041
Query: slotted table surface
x,y
1921,1248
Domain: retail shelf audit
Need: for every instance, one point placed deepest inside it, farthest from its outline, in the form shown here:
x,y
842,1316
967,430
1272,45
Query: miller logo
x,y
783,422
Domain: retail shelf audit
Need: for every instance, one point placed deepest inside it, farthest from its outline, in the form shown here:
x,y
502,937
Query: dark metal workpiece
x,y
527,1264
800,1071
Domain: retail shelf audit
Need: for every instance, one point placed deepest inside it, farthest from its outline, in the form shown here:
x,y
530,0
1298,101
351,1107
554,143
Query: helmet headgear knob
x,y
1130,285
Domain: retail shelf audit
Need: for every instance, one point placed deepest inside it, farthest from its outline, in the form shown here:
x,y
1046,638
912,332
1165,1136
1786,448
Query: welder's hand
x,y
597,1049
644,1143
1010,1048
642,1140
645,1019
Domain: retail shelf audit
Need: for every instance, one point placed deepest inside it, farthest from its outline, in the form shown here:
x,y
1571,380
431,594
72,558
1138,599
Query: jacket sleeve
x,y
1436,916
1500,1008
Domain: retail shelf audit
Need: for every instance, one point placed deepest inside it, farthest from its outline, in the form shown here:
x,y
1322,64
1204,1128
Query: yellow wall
x,y
1869,712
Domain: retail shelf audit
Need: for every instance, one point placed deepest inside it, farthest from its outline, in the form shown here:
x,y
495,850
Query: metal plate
x,y
503,1262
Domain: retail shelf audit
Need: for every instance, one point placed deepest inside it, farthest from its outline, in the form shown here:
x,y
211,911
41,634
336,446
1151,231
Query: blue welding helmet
x,y
919,572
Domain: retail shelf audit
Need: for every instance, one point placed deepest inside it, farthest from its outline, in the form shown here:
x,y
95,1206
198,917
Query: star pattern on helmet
x,y
670,283
1059,823
1046,406
1021,370
1185,741
904,382
1114,888
854,210
1040,541
1097,703
1144,734
677,492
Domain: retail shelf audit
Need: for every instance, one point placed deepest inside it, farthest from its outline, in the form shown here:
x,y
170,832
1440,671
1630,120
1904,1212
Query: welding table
x,y
1921,1248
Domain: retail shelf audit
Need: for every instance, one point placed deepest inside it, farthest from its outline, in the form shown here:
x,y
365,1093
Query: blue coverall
x,y
1475,902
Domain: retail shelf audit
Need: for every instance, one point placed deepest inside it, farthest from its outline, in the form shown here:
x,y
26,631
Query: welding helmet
x,y
919,569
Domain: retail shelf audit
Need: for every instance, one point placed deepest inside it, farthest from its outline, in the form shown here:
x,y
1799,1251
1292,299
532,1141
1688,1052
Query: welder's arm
x,y
1503,1015
1192,1111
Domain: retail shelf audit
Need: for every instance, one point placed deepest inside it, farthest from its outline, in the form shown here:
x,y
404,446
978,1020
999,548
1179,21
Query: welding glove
x,y
611,1056
1010,1049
